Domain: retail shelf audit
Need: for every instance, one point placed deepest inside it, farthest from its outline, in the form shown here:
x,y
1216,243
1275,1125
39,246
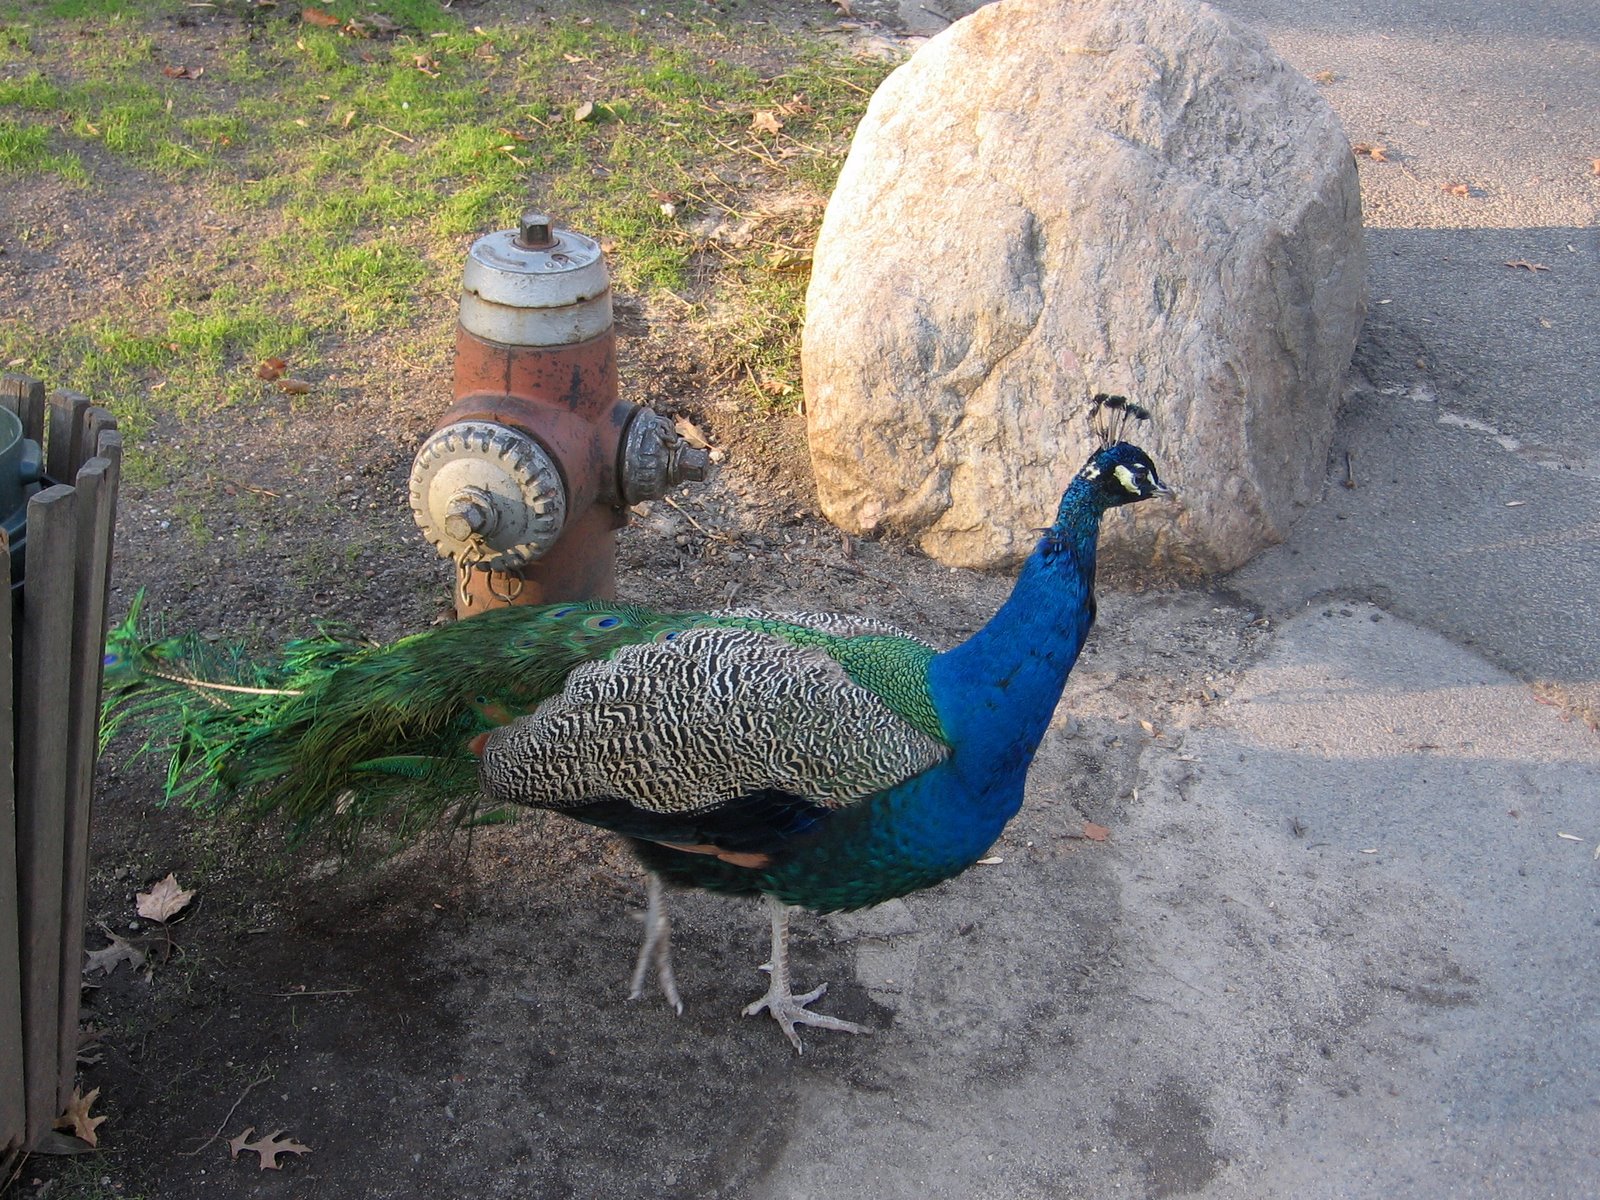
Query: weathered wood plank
x,y
96,501
96,421
13,1108
64,441
25,397
44,688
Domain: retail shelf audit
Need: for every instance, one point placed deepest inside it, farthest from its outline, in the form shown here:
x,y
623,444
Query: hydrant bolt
x,y
533,230
470,511
689,465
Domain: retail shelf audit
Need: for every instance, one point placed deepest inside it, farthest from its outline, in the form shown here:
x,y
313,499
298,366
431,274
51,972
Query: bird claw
x,y
789,1010
656,951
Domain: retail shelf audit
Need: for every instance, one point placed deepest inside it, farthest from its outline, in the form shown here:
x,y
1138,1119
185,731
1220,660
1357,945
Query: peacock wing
x,y
701,720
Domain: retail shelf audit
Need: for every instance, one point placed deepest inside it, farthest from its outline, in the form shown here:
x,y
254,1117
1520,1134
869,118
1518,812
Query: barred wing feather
x,y
690,724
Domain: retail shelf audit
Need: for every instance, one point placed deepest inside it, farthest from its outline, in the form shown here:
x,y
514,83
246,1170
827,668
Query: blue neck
x,y
997,690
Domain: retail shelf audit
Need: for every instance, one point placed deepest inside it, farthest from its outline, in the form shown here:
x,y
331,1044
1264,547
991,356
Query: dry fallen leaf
x,y
113,956
1594,166
183,72
77,1117
427,64
268,1147
844,7
1456,189
295,387
1325,77
1374,152
315,16
1530,267
765,121
584,111
163,901
690,432
1096,833
271,368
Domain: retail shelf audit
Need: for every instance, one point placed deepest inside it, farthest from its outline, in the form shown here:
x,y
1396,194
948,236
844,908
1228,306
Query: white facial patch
x,y
1125,477
1090,470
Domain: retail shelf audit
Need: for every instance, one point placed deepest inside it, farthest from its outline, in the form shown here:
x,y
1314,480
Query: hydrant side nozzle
x,y
654,458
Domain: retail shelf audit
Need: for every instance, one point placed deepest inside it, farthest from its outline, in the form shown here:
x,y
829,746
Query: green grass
x,y
343,175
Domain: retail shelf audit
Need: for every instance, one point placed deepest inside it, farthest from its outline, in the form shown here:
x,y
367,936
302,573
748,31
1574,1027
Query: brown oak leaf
x,y
113,956
163,901
77,1117
315,16
294,387
1095,833
1371,150
765,121
268,1147
272,368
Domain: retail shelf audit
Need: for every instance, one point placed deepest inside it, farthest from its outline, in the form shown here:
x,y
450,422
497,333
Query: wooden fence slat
x,y
108,445
96,505
13,1107
96,420
44,688
63,443
24,395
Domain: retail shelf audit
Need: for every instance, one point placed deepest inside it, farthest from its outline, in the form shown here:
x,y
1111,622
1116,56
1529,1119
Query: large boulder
x,y
1058,197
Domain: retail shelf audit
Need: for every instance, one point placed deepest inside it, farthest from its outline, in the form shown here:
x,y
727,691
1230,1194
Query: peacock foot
x,y
789,1010
657,948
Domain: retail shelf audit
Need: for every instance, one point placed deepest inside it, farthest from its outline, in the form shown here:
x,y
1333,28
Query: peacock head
x,y
1121,473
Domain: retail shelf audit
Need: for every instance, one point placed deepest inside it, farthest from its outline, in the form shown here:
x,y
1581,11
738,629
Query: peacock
x,y
819,761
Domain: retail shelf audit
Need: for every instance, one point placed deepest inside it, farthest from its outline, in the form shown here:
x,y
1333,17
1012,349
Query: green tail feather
x,y
341,735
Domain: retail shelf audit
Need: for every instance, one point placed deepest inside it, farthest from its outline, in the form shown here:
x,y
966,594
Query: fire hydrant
x,y
530,472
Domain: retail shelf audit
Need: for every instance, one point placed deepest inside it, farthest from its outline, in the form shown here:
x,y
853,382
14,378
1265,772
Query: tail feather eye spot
x,y
603,622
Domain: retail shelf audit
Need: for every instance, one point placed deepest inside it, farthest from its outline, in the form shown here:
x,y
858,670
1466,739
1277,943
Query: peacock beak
x,y
1163,492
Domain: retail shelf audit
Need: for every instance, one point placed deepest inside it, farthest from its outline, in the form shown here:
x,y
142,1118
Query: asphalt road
x,y
1473,422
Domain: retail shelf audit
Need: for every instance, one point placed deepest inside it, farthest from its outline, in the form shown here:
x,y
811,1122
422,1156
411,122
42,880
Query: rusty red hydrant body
x,y
529,473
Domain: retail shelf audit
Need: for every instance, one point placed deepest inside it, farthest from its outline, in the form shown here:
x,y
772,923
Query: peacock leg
x,y
657,948
787,1009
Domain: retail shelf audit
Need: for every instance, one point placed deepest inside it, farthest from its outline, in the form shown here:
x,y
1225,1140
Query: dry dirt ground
x,y
455,1020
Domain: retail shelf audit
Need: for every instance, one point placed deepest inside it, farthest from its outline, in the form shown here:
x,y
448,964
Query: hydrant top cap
x,y
570,270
